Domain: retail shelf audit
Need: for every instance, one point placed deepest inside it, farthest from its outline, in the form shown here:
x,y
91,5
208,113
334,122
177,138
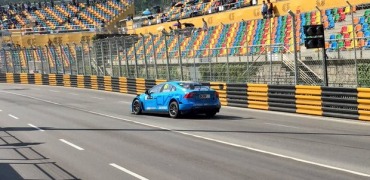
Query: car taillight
x,y
189,95
217,95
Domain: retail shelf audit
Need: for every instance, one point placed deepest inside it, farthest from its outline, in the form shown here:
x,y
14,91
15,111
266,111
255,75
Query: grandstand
x,y
236,33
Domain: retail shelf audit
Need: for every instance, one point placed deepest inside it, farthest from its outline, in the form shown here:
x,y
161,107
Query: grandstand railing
x,y
56,30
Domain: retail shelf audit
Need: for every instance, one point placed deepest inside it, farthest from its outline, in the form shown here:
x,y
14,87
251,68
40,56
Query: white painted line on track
x,y
205,138
124,102
36,127
54,91
128,172
97,98
74,94
71,144
281,125
14,117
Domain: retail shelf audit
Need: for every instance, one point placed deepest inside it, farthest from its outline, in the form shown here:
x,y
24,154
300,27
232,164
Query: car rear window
x,y
194,86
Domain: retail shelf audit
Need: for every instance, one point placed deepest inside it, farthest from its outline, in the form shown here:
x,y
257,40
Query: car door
x,y
164,96
150,100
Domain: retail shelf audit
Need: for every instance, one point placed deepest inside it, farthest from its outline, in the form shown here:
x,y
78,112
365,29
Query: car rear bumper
x,y
199,109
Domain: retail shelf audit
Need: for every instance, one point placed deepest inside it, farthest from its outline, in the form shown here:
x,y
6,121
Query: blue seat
x,y
362,20
367,34
334,46
332,37
367,44
365,27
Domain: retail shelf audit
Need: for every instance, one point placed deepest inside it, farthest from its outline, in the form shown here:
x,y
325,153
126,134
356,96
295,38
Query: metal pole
x,y
47,55
89,55
127,65
62,59
71,60
102,57
27,61
34,61
271,50
42,60
227,64
14,68
195,69
135,55
210,64
167,57
145,59
111,57
119,59
75,60
180,56
354,41
324,57
296,71
5,61
155,57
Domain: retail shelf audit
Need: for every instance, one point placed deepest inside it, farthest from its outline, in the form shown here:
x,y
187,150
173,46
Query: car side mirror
x,y
147,92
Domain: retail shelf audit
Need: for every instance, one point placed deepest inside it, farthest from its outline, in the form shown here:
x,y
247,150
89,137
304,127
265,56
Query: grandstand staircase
x,y
130,9
306,74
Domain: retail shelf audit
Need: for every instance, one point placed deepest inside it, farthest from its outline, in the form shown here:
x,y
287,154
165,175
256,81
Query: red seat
x,y
344,30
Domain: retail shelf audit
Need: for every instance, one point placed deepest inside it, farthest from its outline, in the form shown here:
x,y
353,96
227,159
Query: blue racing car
x,y
177,98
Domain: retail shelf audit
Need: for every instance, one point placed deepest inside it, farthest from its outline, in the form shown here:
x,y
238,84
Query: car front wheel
x,y
136,107
173,110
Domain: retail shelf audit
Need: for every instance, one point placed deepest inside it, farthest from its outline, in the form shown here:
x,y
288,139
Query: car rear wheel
x,y
173,110
136,107
211,114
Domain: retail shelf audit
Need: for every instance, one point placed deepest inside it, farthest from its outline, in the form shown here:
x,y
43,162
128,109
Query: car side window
x,y
167,88
156,89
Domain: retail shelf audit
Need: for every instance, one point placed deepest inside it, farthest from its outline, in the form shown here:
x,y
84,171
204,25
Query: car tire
x,y
211,114
136,107
173,110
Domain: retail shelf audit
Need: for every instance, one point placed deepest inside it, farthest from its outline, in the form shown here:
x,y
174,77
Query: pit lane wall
x,y
350,103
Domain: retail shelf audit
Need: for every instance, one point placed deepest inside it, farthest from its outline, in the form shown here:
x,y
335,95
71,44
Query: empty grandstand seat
x,y
365,27
334,46
344,30
358,28
367,46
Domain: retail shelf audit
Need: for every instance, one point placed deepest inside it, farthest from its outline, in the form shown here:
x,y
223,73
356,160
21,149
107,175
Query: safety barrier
x,y
350,103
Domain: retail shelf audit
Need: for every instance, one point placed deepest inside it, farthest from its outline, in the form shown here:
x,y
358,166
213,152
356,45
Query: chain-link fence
x,y
269,51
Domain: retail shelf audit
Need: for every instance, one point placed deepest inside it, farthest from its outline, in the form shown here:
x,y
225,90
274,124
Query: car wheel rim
x,y
173,110
136,106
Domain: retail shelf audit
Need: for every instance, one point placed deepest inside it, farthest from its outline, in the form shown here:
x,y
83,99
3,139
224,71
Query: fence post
x,y
27,60
195,68
354,41
155,57
111,57
324,57
127,64
48,57
34,59
180,56
135,55
145,59
102,56
41,59
5,61
167,56
61,58
89,54
296,71
227,64
119,59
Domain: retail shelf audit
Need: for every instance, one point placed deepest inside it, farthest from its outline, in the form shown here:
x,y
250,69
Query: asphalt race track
x,y
67,133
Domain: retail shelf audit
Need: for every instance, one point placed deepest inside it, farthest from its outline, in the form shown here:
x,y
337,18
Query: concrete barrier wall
x,y
350,103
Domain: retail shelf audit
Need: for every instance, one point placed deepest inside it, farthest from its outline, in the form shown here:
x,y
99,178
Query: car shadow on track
x,y
200,117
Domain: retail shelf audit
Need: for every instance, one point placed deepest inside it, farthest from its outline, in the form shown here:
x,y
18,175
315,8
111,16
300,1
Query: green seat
x,y
341,44
367,13
336,18
339,36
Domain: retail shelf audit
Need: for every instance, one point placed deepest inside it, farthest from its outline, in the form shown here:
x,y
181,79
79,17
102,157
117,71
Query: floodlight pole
x,y
324,57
